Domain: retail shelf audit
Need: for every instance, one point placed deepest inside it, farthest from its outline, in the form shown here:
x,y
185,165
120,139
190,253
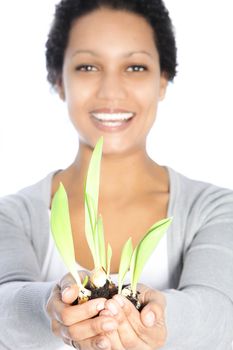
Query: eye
x,y
86,68
137,68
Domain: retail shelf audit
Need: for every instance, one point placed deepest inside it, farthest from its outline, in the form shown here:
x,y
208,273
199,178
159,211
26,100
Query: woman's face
x,y
111,79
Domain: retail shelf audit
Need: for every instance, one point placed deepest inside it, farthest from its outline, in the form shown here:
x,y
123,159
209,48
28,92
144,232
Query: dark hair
x,y
67,11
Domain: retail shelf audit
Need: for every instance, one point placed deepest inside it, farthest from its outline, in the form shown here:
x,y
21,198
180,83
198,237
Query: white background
x,y
193,131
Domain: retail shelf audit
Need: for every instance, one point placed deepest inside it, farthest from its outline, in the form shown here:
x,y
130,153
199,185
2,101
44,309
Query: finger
x,y
70,294
113,336
152,336
153,315
127,337
69,288
115,341
95,343
105,313
89,328
54,305
77,313
147,295
66,281
154,309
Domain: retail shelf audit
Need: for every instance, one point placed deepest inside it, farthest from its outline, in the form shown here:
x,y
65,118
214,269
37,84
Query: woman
x,y
110,62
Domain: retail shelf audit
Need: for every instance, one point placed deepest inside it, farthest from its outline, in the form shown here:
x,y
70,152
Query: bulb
x,y
84,293
98,277
126,292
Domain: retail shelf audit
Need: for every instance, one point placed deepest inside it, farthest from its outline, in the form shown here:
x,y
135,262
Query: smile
x,y
113,117
112,122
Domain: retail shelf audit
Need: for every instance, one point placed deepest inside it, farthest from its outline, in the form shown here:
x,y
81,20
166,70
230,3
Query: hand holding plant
x,y
99,284
143,330
76,323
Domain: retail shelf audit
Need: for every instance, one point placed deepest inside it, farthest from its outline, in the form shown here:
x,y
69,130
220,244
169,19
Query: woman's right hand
x,y
77,324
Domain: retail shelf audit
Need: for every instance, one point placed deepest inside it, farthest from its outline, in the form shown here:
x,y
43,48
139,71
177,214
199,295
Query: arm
x,y
23,296
201,310
199,313
198,318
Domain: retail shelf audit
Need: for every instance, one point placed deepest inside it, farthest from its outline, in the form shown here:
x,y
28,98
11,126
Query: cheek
x,y
148,98
77,92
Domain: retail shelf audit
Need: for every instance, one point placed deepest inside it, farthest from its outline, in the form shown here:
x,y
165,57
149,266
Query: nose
x,y
111,87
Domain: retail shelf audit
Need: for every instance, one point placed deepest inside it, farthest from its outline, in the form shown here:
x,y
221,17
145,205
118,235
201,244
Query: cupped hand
x,y
145,330
77,324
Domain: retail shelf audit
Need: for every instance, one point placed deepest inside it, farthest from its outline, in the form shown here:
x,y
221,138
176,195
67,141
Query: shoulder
x,y
200,197
199,206
28,204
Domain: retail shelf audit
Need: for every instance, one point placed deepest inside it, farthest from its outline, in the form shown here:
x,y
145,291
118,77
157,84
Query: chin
x,y
118,148
112,145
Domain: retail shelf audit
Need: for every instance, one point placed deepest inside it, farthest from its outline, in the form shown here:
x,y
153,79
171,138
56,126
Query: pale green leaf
x,y
132,268
145,248
90,227
126,255
92,190
61,231
93,173
85,281
109,258
101,243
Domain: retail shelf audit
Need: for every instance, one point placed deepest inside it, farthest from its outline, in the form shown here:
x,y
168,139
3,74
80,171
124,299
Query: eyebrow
x,y
128,54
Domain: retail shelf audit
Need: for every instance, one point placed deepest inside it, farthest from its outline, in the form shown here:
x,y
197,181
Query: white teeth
x,y
113,123
112,117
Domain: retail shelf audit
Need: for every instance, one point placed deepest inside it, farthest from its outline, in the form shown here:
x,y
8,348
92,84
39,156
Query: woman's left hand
x,y
145,330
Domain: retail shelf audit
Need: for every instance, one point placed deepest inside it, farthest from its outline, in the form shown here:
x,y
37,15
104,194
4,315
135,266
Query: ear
x,y
163,86
60,89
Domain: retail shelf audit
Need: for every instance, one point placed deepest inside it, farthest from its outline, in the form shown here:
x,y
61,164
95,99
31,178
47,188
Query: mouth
x,y
112,121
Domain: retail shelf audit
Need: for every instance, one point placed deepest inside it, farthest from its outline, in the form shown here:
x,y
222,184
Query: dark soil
x,y
107,292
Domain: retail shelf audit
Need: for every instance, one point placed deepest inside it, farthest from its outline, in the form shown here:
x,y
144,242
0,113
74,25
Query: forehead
x,y
112,30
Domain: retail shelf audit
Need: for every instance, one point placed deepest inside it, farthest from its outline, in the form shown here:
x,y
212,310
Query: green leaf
x,y
101,243
91,205
62,233
85,281
126,255
90,227
145,248
109,258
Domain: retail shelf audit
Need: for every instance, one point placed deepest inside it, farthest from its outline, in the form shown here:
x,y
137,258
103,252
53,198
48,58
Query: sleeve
x,y
23,296
200,312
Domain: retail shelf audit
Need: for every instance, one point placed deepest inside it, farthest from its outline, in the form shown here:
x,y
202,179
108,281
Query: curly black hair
x,y
67,11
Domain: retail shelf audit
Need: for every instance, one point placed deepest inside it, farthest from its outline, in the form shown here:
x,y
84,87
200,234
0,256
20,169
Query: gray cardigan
x,y
200,255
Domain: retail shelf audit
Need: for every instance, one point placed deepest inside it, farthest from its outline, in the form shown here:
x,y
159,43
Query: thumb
x,y
69,293
153,312
153,315
69,289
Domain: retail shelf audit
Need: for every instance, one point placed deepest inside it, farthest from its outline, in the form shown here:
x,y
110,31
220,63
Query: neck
x,y
122,175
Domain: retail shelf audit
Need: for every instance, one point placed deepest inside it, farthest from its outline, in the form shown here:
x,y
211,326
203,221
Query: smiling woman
x,y
114,83
110,62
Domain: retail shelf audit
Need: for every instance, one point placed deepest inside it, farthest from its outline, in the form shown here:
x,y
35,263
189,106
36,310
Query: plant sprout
x,y
126,255
144,250
133,260
93,223
62,234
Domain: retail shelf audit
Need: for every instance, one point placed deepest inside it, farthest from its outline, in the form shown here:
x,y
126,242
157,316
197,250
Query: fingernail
x,y
149,319
66,291
102,344
119,299
111,307
100,306
108,326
